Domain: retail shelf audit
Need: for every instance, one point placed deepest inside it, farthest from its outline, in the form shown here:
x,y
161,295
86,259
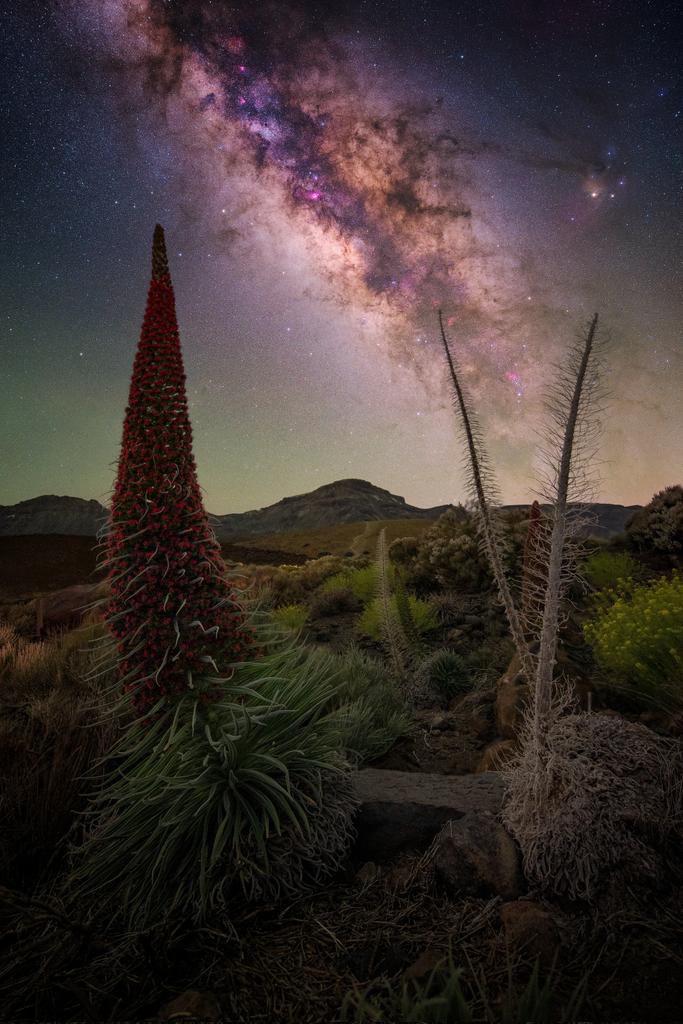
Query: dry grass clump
x,y
20,615
286,584
48,739
607,793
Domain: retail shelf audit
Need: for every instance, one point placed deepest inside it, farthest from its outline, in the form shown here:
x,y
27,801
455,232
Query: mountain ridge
x,y
342,501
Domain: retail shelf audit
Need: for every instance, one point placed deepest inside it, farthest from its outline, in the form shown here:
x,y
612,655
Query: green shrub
x,y
606,568
659,526
637,635
291,616
334,602
373,716
250,794
447,672
362,582
403,550
450,554
423,613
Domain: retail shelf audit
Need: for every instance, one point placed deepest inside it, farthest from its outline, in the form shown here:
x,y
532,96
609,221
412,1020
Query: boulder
x,y
512,694
402,811
474,856
192,1005
64,608
496,755
530,927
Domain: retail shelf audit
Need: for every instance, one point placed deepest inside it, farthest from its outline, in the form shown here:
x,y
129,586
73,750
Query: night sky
x,y
328,175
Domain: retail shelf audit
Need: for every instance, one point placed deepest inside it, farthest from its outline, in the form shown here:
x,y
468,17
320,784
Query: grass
x,y
445,997
49,738
373,716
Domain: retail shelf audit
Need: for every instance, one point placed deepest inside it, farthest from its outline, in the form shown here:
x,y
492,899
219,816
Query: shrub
x,y
372,715
637,636
447,672
250,794
450,553
423,613
606,568
362,582
403,550
291,584
604,787
291,616
450,606
49,736
659,526
334,602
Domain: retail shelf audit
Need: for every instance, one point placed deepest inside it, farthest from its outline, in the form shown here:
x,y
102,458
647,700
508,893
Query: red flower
x,y
156,445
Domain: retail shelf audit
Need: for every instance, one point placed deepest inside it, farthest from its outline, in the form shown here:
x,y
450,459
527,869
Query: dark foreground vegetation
x,y
369,939
441,783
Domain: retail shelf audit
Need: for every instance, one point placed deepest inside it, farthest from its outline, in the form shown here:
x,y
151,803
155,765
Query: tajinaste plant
x,y
175,618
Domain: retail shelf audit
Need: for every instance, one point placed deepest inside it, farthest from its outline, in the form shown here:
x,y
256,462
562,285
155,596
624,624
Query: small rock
x,y
479,725
662,722
65,608
400,875
474,620
425,964
529,926
474,856
367,873
192,1005
496,755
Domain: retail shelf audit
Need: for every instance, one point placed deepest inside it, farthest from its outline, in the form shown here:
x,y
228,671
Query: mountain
x,y
345,501
605,520
51,513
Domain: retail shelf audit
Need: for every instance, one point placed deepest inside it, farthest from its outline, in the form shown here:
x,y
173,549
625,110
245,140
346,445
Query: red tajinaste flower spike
x,y
159,531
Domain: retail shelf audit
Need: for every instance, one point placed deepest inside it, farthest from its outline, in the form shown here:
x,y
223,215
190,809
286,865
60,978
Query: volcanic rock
x,y
474,856
400,811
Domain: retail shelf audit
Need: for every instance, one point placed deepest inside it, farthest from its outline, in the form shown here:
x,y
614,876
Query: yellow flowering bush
x,y
637,635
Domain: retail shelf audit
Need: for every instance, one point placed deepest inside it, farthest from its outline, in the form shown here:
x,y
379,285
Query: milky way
x,y
381,182
329,176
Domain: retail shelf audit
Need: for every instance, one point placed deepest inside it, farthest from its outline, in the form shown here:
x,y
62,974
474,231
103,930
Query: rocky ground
x,y
431,869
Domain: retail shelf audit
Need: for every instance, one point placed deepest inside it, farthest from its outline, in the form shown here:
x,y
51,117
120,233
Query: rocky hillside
x,y
52,513
345,501
604,520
